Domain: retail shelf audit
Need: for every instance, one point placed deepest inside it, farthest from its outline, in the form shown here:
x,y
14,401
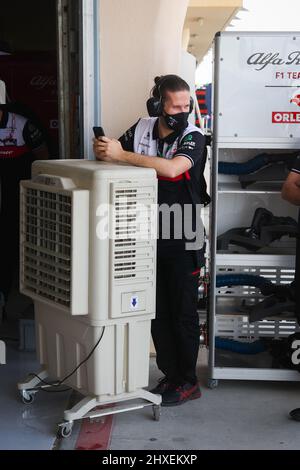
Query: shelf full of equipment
x,y
253,230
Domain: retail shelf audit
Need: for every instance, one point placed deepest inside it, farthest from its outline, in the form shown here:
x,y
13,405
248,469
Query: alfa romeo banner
x,y
257,87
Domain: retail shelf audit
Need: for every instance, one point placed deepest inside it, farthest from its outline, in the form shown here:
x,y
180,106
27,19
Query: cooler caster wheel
x,y
156,412
212,383
27,397
65,429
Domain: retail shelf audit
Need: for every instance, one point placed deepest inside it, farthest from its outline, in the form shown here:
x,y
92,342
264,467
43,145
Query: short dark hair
x,y
166,83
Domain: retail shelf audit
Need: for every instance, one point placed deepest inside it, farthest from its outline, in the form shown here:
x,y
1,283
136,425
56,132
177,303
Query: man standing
x,y
291,192
176,150
21,142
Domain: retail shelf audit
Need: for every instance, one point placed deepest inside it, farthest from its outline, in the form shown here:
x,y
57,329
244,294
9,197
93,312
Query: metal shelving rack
x,y
235,140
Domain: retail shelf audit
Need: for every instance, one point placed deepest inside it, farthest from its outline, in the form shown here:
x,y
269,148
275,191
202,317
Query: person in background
x,y
291,192
21,142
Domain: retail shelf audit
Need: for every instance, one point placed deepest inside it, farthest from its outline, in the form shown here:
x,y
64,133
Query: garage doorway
x,y
47,62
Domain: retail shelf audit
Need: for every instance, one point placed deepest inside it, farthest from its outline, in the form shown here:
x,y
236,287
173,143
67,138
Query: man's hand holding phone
x,y
106,149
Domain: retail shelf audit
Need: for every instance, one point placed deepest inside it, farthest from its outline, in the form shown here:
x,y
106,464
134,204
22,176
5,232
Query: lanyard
x,y
160,151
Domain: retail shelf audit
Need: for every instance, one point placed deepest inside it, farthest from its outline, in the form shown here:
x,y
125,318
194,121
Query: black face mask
x,y
176,122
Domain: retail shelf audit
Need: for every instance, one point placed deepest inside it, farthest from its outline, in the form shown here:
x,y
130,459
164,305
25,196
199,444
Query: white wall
x,y
139,39
188,73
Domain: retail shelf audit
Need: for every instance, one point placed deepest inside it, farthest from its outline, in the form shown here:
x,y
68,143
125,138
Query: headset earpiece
x,y
154,107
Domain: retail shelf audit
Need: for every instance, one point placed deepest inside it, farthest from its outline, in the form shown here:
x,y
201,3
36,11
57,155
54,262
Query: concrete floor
x,y
236,415
26,427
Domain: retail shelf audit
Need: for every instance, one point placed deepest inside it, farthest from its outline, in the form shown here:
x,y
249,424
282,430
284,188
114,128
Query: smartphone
x,y
98,132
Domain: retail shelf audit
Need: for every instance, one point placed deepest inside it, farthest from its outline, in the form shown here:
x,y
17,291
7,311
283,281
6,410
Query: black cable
x,y
57,384
86,359
41,380
51,384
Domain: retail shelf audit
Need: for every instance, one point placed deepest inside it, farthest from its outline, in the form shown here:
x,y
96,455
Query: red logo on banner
x,y
284,117
296,99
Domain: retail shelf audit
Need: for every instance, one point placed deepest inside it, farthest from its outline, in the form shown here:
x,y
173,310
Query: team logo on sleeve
x,y
188,142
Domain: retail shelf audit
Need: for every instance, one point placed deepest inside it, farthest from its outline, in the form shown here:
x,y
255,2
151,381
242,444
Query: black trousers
x,y
175,330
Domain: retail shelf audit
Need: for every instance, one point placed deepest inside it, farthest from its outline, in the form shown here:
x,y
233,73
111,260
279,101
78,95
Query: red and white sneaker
x,y
181,394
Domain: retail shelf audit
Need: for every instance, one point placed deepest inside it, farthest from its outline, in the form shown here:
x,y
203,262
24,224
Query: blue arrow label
x,y
134,302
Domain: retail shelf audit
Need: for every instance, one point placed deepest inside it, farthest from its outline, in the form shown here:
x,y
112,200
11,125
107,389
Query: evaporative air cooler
x,y
88,260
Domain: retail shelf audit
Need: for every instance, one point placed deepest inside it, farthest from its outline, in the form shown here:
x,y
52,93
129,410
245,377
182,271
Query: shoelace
x,y
180,387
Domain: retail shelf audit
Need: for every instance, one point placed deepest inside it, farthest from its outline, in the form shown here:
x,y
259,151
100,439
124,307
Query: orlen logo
x,y
279,117
288,117
296,99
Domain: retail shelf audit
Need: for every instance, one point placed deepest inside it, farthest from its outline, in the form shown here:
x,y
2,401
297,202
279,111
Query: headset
x,y
155,105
